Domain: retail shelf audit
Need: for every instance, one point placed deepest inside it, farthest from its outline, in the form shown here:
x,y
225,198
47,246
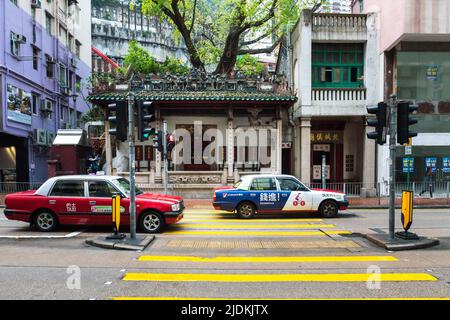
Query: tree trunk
x,y
229,55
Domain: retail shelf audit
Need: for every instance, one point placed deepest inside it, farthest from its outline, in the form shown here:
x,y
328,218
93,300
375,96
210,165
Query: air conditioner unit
x,y
40,137
50,137
18,38
36,4
50,59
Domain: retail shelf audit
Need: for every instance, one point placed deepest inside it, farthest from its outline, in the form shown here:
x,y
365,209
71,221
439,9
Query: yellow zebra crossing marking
x,y
296,259
256,226
337,277
249,298
243,221
256,233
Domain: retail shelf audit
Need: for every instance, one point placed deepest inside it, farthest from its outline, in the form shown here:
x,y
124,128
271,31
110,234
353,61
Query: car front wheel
x,y
329,209
152,222
45,221
246,210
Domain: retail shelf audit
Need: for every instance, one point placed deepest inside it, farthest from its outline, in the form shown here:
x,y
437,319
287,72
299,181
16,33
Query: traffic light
x,y
145,116
117,115
158,140
379,123
404,108
170,142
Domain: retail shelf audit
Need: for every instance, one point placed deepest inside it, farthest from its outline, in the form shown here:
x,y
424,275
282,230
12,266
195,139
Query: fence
x,y
440,190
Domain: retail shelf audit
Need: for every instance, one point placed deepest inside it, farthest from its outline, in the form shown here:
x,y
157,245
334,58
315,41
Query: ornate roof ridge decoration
x,y
194,96
195,80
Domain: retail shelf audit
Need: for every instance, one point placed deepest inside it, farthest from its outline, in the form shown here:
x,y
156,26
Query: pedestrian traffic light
x,y
379,123
158,140
170,142
404,108
117,116
145,116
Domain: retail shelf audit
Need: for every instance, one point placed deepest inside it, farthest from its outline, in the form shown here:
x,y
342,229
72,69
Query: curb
x,y
139,244
383,241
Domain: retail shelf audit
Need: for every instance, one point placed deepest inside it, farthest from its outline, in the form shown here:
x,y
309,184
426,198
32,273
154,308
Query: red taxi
x,y
86,200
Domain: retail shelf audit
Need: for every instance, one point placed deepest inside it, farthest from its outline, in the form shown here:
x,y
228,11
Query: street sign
x,y
408,165
408,150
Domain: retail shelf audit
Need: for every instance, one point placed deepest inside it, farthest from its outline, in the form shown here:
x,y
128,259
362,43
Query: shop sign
x,y
446,164
326,136
431,162
317,172
408,165
19,105
322,147
432,73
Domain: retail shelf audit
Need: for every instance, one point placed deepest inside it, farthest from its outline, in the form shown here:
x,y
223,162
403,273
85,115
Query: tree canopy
x,y
218,31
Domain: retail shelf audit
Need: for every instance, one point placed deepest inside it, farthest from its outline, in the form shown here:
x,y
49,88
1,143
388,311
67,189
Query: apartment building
x,y
45,59
335,73
414,52
114,25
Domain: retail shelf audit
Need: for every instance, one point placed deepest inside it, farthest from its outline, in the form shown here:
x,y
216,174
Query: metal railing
x,y
440,190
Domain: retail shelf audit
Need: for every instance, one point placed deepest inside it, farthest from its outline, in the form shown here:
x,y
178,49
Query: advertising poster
x,y
19,105
446,164
431,162
432,73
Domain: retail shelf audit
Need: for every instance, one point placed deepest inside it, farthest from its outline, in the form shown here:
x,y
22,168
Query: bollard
x,y
115,217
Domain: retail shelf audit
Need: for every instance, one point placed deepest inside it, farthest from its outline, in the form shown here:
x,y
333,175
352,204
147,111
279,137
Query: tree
x,y
140,60
217,31
249,65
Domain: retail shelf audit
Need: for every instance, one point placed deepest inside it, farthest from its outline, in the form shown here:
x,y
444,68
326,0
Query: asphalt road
x,y
210,255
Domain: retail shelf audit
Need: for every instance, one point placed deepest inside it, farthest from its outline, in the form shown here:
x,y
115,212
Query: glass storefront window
x,y
423,76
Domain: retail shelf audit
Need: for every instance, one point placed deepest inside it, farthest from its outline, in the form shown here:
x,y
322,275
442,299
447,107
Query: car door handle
x,y
92,202
51,201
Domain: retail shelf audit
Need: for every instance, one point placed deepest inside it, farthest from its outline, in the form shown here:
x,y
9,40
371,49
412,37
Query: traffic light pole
x,y
131,164
166,174
392,145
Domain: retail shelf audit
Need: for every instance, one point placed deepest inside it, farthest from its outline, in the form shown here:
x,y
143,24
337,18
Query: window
x,y
288,184
78,84
101,189
49,107
337,65
124,185
49,67
48,23
14,1
77,49
63,77
63,113
35,58
71,188
34,103
263,184
63,35
15,44
79,114
70,44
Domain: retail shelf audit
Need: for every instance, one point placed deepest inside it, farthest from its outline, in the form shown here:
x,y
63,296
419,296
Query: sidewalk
x,y
360,203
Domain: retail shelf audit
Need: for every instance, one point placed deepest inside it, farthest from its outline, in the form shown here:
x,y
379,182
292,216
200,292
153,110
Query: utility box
x,y
68,153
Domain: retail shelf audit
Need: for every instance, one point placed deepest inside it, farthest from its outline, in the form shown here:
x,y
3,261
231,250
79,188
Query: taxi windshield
x,y
124,185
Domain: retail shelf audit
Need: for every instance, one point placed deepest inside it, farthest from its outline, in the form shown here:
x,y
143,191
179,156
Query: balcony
x,y
335,102
344,94
333,26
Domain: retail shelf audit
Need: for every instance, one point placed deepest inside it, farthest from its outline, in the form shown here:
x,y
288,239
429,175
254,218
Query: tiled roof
x,y
194,96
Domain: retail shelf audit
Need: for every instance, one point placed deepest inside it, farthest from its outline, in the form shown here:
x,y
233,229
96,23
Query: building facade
x,y
223,129
114,25
414,52
45,59
335,66
336,6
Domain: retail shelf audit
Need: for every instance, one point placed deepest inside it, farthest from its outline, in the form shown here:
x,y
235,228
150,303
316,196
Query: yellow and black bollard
x,y
407,216
115,215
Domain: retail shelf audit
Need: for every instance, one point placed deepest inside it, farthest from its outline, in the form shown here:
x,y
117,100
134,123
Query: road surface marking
x,y
256,226
259,244
268,259
255,233
69,235
323,299
243,221
338,277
